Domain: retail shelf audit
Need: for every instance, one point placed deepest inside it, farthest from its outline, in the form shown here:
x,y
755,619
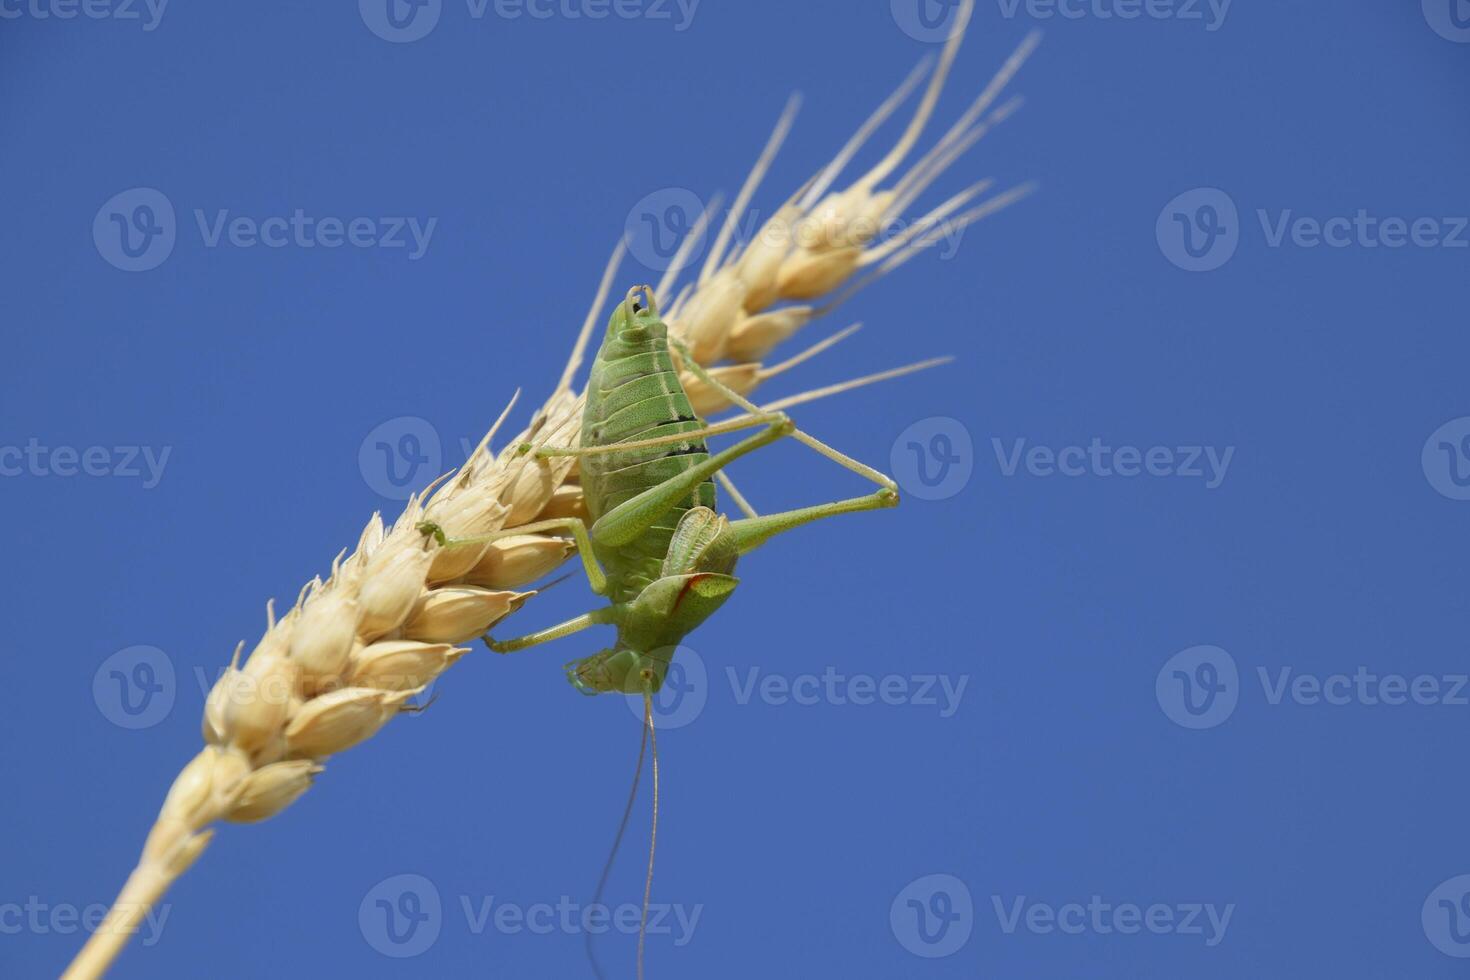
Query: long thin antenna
x,y
612,854
653,831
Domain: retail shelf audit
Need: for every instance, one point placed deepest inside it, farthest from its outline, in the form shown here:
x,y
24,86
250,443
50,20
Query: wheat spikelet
x,y
394,614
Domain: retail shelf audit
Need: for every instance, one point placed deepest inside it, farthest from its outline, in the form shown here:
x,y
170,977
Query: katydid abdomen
x,y
634,394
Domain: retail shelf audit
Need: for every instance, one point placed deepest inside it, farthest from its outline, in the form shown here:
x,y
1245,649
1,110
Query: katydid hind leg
x,y
628,520
752,532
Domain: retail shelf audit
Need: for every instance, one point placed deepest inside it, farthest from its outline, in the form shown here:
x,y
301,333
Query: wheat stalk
x,y
392,615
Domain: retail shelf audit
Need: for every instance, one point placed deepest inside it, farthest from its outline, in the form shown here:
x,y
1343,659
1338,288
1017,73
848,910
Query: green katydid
x,y
657,548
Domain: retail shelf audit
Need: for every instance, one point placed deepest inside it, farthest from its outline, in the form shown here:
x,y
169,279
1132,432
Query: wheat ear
x,y
393,615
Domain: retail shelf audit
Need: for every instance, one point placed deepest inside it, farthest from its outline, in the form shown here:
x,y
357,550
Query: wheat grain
x,y
391,616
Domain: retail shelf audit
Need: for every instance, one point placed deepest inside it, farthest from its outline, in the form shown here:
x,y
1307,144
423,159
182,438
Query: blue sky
x,y
1158,671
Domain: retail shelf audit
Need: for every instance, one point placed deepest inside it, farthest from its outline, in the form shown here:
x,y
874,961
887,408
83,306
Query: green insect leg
x,y
753,532
628,520
574,525
597,617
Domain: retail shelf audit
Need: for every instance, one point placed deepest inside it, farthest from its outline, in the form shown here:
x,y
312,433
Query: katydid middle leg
x,y
573,525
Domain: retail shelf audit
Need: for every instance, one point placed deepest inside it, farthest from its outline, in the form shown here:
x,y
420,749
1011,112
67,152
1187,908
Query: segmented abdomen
x,y
632,397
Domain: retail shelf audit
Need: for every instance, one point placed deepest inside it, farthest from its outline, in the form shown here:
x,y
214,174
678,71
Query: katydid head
x,y
617,671
649,629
